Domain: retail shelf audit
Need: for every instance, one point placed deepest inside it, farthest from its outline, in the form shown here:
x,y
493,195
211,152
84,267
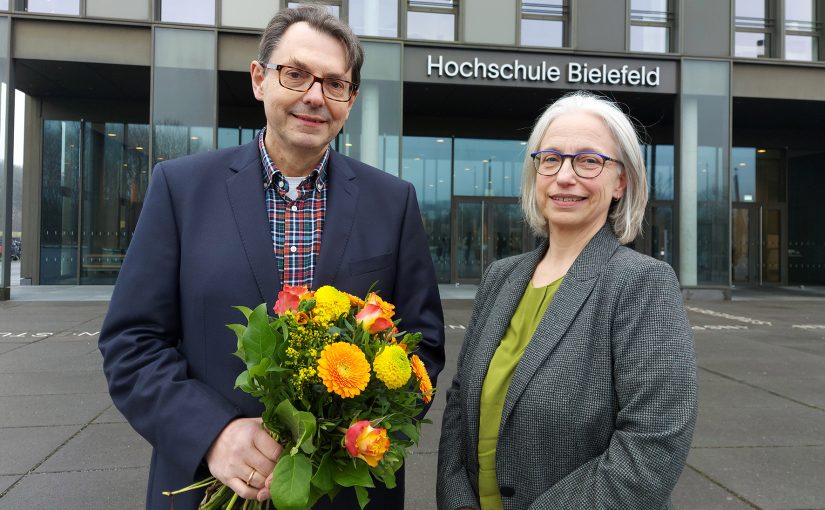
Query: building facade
x,y
730,96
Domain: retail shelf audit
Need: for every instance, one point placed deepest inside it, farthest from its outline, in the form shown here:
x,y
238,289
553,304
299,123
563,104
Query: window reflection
x,y
754,28
488,167
374,17
651,22
427,163
543,23
201,12
52,6
801,30
433,26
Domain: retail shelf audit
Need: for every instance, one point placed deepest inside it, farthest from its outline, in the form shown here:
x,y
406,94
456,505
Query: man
x,y
230,228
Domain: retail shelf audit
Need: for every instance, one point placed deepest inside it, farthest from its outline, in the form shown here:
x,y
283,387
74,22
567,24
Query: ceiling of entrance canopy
x,y
81,80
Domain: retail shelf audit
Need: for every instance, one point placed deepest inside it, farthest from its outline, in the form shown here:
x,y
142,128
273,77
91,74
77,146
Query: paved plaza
x,y
759,442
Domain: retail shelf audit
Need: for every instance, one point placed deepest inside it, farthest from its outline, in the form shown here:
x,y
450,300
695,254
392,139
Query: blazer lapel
x,y
245,191
507,298
342,201
573,292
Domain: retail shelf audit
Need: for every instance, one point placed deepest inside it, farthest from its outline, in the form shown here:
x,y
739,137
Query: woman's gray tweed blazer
x,y
601,408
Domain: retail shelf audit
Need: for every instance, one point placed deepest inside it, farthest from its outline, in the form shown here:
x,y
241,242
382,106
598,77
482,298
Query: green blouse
x,y
525,320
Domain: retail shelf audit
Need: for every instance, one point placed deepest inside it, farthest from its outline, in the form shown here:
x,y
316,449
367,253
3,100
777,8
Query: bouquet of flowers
x,y
342,391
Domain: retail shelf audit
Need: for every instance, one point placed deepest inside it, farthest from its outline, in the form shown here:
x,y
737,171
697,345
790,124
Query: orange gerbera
x,y
424,383
344,369
354,300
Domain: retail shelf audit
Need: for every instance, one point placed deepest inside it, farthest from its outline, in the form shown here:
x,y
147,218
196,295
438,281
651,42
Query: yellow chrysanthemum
x,y
330,304
344,369
392,367
424,383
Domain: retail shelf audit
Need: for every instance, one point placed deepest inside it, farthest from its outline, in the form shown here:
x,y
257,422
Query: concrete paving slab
x,y
420,481
10,346
24,448
5,483
771,478
100,446
695,492
53,383
89,490
752,426
52,356
718,391
110,415
47,410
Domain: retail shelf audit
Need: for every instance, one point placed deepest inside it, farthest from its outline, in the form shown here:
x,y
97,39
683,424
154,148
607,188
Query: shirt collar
x,y
273,177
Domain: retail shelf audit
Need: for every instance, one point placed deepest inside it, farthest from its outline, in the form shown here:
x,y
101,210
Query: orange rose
x,y
367,443
372,319
289,298
386,307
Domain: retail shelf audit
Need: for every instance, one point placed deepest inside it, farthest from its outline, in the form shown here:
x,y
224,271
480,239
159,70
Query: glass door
x,y
95,176
758,248
486,229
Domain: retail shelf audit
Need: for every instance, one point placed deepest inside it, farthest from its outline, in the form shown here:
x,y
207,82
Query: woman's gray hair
x,y
320,19
626,215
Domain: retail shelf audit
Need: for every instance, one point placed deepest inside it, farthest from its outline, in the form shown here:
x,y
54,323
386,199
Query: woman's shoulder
x,y
629,265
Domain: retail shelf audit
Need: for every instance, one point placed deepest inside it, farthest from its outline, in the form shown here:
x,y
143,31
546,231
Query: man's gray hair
x,y
625,216
321,20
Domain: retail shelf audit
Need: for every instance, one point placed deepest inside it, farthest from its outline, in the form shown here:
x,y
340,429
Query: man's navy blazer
x,y
203,245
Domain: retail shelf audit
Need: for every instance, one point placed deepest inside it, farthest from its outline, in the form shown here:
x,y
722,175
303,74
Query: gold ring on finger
x,y
251,475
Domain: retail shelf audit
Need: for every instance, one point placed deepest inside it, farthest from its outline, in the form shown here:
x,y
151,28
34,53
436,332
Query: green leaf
x,y
258,339
244,310
411,431
353,475
301,424
290,482
242,382
385,472
362,495
322,479
261,368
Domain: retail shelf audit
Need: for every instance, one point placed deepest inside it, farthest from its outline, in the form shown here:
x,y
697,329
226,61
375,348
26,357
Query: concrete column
x,y
369,98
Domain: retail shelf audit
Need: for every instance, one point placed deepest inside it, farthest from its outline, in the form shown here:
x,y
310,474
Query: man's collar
x,y
273,175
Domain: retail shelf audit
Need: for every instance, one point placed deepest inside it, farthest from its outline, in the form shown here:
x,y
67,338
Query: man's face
x,y
301,124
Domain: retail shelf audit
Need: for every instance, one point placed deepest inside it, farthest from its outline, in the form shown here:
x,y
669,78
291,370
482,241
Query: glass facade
x,y
661,170
468,193
544,23
372,133
374,17
801,30
120,9
95,176
650,26
6,237
704,235
184,88
433,20
201,12
71,7
754,28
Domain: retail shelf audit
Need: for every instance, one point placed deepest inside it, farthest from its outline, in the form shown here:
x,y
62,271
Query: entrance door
x,y
486,229
759,244
95,175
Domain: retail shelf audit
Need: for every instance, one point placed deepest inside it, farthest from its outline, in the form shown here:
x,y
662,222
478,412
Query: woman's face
x,y
569,203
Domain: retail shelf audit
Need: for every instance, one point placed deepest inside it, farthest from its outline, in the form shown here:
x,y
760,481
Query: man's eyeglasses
x,y
587,165
297,79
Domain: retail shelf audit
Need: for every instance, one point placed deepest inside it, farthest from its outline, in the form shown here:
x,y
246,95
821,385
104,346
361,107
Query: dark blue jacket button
x,y
507,491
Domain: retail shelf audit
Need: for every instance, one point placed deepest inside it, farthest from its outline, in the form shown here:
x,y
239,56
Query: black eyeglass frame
x,y
353,87
537,165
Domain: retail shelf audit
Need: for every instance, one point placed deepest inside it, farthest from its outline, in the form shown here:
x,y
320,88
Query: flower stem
x,y
196,485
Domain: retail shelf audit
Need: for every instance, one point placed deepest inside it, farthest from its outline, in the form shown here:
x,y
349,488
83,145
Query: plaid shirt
x,y
295,225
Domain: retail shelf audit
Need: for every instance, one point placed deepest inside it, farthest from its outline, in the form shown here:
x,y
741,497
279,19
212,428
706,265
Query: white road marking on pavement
x,y
454,326
718,327
739,318
809,326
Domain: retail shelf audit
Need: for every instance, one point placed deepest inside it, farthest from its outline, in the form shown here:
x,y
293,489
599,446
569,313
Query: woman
x,y
576,383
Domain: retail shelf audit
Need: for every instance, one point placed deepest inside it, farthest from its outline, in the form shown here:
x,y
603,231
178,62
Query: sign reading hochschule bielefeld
x,y
480,67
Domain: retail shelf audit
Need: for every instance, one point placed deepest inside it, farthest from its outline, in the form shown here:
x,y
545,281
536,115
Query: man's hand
x,y
243,457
